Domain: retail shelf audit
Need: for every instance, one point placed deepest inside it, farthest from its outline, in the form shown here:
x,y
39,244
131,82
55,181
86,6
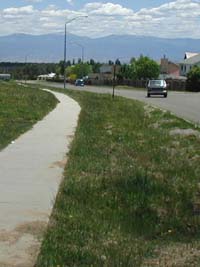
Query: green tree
x,y
92,62
95,66
80,70
127,71
61,67
146,68
193,79
133,60
117,62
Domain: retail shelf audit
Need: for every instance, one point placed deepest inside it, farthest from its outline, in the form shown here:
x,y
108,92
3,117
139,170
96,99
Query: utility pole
x,y
114,80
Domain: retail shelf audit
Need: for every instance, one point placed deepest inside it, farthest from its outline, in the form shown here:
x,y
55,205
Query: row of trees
x,y
142,68
80,68
27,70
32,70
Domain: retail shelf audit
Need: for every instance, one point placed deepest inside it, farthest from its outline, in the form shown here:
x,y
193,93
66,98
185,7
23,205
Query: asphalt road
x,y
183,104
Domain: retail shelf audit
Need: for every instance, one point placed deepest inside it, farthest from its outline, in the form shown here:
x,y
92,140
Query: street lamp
x,y
65,43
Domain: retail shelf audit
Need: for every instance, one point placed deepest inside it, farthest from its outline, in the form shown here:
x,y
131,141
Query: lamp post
x,y
65,44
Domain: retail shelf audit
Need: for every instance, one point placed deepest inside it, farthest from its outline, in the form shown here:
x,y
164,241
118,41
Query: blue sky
x,y
170,19
133,4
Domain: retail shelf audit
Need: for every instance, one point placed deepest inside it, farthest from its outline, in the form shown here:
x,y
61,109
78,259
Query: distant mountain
x,y
49,48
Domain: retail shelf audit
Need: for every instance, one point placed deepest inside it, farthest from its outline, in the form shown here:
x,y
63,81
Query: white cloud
x,y
21,10
107,9
34,1
71,2
180,18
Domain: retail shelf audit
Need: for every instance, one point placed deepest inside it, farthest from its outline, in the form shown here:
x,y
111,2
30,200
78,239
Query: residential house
x,y
49,76
107,71
189,55
169,69
191,60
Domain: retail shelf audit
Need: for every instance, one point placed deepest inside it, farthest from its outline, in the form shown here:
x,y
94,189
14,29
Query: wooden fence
x,y
174,85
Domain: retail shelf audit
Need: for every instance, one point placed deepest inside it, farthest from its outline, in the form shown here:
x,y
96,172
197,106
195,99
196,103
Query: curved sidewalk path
x,y
31,170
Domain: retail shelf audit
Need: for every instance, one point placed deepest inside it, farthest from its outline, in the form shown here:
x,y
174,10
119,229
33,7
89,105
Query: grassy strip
x,y
127,87
20,108
130,188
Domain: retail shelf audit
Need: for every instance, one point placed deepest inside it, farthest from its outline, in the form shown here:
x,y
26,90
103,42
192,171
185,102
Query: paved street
x,y
185,105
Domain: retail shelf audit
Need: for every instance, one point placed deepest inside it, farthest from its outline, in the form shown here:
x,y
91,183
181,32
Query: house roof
x,y
192,60
50,75
105,68
189,55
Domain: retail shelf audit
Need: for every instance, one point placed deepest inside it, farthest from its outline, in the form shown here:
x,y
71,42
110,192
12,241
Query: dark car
x,y
79,82
157,87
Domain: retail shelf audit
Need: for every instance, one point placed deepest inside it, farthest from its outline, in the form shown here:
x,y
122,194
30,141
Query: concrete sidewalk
x,y
31,170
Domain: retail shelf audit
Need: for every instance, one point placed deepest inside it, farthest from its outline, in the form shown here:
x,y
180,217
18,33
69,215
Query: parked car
x,y
157,87
79,82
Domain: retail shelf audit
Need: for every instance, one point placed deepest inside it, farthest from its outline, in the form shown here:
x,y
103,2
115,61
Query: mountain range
x,y
49,47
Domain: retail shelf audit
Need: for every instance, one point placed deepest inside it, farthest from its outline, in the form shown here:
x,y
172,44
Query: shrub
x,y
193,80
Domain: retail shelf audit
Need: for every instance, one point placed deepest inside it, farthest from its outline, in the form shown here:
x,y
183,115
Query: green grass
x,y
20,108
127,87
129,189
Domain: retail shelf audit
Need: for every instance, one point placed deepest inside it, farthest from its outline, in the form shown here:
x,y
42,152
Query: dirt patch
x,y
20,247
9,237
185,132
36,228
22,253
157,125
179,255
70,136
61,164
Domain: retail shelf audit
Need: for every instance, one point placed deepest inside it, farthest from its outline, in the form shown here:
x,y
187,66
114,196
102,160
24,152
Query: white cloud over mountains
x,y
180,18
